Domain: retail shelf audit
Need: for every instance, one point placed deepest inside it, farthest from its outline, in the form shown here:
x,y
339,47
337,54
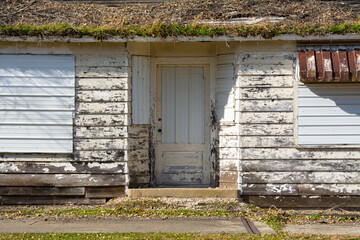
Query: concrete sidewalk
x,y
130,225
324,229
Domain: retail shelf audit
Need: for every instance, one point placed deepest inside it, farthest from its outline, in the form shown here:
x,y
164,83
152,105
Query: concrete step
x,y
183,192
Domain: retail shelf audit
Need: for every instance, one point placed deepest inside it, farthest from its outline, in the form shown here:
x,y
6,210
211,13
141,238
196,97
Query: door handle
x,y
159,130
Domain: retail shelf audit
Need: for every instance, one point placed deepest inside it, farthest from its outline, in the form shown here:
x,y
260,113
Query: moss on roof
x,y
184,18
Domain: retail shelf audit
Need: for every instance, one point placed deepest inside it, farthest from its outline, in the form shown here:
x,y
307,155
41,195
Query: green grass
x,y
175,30
164,236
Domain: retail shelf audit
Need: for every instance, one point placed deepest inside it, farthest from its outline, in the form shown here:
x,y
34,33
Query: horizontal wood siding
x,y
97,169
274,170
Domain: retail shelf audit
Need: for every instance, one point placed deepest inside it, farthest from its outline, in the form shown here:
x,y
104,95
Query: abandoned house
x,y
275,121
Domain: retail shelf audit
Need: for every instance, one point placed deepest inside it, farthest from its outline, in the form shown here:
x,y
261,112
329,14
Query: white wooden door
x,y
182,118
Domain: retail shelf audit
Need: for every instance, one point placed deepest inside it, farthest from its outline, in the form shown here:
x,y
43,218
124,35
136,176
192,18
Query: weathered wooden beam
x,y
50,200
300,165
42,191
270,189
104,192
62,167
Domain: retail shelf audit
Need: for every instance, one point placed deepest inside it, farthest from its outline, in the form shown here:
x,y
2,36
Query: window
x,y
329,97
37,95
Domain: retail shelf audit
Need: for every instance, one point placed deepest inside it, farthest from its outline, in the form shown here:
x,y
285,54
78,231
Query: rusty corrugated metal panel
x,y
329,66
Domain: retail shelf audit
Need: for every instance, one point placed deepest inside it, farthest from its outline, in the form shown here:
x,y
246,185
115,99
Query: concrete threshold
x,y
183,192
324,229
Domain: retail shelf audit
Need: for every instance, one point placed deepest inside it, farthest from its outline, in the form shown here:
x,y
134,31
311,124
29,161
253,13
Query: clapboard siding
x,y
272,164
97,168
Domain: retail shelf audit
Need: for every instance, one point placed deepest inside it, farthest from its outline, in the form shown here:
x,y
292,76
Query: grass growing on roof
x,y
175,30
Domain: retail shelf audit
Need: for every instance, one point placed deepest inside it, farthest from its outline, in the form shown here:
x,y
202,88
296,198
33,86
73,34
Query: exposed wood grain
x,y
139,131
102,96
101,156
265,70
228,153
229,165
101,132
266,141
48,200
293,153
329,189
100,144
42,191
61,180
87,60
136,166
266,105
283,58
102,108
266,117
301,177
61,167
105,192
138,143
101,120
265,81
101,83
267,129
265,93
138,154
300,165
270,189
98,72
228,141
140,179
228,185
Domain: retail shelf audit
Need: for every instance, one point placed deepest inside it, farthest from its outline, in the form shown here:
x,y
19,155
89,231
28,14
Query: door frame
x,y
155,62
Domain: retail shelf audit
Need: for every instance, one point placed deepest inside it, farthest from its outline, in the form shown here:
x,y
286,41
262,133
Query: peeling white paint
x,y
68,167
103,165
46,170
6,167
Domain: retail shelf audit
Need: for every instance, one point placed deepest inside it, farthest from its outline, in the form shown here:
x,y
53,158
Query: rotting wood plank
x,y
293,153
300,165
101,132
304,202
42,191
105,192
99,72
50,200
93,120
101,108
301,177
139,131
257,93
62,180
266,130
265,81
140,178
61,167
101,83
102,96
138,143
270,189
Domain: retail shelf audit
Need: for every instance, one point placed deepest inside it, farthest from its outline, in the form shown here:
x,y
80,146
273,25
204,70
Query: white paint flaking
x,y
103,165
6,167
46,170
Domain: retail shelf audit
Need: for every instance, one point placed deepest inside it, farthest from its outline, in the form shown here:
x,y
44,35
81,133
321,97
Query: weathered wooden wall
x,y
274,170
97,169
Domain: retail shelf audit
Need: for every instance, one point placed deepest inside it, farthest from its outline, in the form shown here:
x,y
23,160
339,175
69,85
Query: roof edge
x,y
292,37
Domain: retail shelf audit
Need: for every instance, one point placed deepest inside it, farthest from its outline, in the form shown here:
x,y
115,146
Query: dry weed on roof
x,y
39,12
